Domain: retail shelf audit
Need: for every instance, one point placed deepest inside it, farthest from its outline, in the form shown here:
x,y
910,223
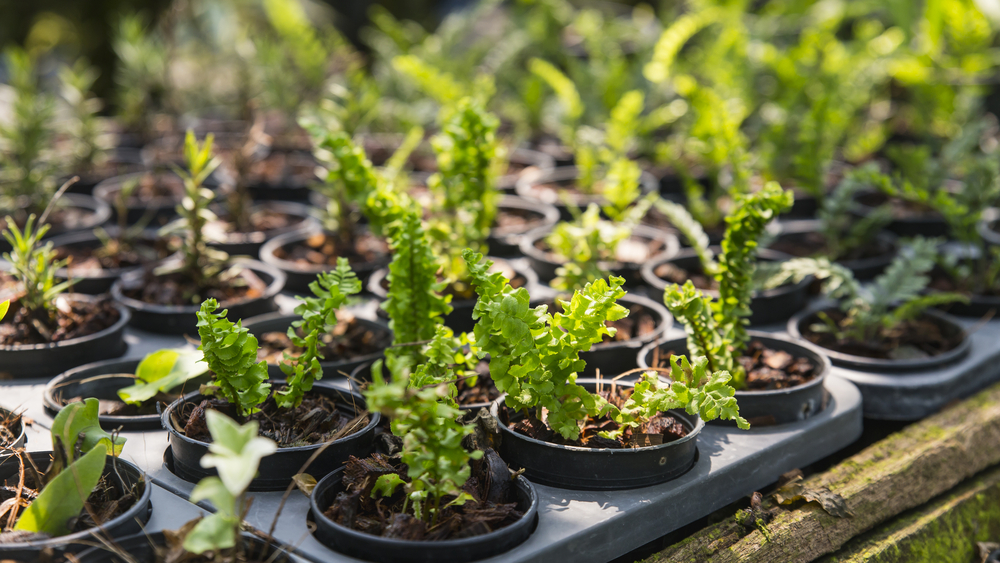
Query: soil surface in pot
x,y
813,243
115,407
260,221
152,187
495,505
85,259
482,391
323,249
514,221
633,250
63,217
104,504
640,322
9,430
901,209
943,281
177,289
349,339
71,319
673,273
553,192
315,421
660,429
923,337
767,369
280,166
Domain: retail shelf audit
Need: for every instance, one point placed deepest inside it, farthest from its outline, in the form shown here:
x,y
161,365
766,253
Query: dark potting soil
x,y
553,192
923,337
322,249
514,221
810,244
62,218
675,274
152,187
482,391
491,486
901,209
633,250
71,319
263,221
315,421
660,429
348,339
104,504
177,289
766,368
943,281
280,166
85,259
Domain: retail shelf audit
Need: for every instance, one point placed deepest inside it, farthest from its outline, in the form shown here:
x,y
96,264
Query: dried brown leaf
x,y
831,502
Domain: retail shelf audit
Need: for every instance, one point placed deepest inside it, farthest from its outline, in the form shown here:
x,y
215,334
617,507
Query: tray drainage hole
x,y
663,460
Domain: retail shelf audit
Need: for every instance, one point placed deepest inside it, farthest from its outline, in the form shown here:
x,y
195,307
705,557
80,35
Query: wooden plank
x,y
901,472
943,531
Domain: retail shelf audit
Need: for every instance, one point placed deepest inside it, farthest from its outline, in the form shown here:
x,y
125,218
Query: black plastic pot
x,y
545,264
47,360
796,324
929,225
248,244
97,281
277,469
122,161
777,406
993,557
102,380
142,547
769,306
19,438
90,213
369,547
597,469
460,318
180,319
162,209
298,276
525,163
864,268
120,473
507,243
567,176
333,368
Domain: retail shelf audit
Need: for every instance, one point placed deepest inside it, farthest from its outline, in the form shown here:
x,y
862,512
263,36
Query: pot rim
x,y
548,212
273,288
647,183
374,419
124,316
268,256
650,277
693,432
291,317
886,237
865,363
79,237
325,482
824,367
102,188
131,512
671,247
307,225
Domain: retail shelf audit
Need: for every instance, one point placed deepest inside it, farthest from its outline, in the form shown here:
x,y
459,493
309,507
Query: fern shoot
x,y
231,353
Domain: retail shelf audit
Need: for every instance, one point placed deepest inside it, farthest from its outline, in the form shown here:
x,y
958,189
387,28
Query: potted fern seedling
x,y
49,330
77,494
774,296
343,341
220,536
890,325
164,298
860,245
130,391
29,164
438,500
776,379
303,418
594,434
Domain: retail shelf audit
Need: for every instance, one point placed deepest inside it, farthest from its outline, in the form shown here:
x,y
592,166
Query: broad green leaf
x,y
63,497
386,485
235,451
215,531
162,371
3,309
213,490
81,418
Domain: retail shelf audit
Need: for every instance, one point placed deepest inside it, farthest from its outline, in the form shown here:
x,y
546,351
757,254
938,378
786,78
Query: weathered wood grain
x,y
901,472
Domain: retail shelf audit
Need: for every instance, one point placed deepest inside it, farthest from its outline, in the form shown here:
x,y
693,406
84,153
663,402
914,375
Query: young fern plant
x,y
437,463
231,353
896,296
535,356
716,328
842,232
319,315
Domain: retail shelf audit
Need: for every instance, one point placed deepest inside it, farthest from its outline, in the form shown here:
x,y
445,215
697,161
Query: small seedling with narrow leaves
x,y
319,315
235,452
26,167
231,353
88,151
